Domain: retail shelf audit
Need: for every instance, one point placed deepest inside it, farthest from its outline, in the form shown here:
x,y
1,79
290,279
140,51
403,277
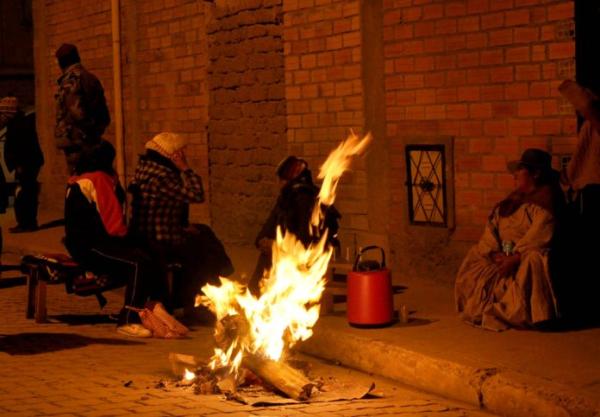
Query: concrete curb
x,y
499,391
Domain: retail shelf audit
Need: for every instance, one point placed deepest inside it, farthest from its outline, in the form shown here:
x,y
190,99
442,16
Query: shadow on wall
x,y
36,343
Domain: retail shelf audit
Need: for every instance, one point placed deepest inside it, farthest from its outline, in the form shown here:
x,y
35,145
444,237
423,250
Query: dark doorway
x,y
587,36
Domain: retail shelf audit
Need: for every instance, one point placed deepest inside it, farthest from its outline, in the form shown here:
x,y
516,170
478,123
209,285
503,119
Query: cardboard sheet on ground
x,y
334,391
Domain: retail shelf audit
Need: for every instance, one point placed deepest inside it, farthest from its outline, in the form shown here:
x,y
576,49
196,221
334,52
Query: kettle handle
x,y
357,260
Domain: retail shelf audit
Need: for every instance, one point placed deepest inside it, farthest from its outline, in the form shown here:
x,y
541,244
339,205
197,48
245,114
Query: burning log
x,y
281,376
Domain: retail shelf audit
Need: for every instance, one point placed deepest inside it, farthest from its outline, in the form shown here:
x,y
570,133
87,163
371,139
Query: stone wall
x,y
247,126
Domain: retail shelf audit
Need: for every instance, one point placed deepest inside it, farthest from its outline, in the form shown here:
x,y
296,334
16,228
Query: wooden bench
x,y
42,270
51,269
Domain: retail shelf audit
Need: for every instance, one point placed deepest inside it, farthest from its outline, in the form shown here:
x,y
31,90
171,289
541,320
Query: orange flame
x,y
289,305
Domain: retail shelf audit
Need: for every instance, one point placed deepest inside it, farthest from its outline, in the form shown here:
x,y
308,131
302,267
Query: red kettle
x,y
370,299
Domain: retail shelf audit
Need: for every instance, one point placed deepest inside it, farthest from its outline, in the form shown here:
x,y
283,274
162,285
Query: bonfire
x,y
256,333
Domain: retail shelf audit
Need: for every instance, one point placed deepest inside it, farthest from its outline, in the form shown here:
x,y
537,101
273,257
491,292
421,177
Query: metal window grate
x,y
426,185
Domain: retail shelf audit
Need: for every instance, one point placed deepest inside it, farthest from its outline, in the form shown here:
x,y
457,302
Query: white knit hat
x,y
8,105
167,143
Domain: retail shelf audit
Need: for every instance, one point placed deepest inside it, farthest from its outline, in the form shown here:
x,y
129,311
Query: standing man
x,y
81,111
22,154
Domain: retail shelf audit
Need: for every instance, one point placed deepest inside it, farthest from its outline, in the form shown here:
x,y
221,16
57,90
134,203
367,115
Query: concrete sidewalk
x,y
513,373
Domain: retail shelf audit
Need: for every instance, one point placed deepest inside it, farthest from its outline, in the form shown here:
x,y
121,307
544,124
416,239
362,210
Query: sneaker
x,y
134,330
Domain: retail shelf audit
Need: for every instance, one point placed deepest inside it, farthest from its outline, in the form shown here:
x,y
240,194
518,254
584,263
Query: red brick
x,y
477,6
457,8
445,26
540,89
424,63
501,4
502,74
548,127
518,54
433,45
480,111
481,145
494,128
471,128
392,17
538,15
538,53
447,95
482,181
492,57
492,92
477,40
468,24
445,61
550,107
468,163
504,109
561,11
519,127
492,21
411,14
404,31
435,79
433,11
457,78
457,111
456,42
526,34
561,50
493,163
530,108
478,76
423,29
528,73
501,37
468,59
517,17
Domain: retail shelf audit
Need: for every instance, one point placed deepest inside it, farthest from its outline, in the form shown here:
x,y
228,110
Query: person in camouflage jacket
x,y
163,187
81,111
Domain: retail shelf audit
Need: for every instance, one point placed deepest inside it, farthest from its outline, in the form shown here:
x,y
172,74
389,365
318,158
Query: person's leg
x,y
132,267
26,200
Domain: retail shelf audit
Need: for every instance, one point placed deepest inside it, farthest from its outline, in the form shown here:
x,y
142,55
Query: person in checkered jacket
x,y
163,188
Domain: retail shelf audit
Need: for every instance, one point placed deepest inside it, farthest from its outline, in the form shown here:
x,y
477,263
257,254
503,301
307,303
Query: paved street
x,y
78,367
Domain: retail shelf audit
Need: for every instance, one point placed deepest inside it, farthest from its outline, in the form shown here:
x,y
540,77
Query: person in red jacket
x,y
96,235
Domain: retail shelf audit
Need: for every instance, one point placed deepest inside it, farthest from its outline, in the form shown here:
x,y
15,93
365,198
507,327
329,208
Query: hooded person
x,y
96,235
82,115
23,155
504,280
163,187
292,213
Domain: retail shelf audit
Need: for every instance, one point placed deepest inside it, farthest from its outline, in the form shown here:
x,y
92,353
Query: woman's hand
x,y
179,160
508,265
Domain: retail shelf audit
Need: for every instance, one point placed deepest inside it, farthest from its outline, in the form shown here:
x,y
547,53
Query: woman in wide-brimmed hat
x,y
504,281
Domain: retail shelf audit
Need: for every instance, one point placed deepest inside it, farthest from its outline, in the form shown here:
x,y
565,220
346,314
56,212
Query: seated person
x,y
163,187
504,280
95,234
292,212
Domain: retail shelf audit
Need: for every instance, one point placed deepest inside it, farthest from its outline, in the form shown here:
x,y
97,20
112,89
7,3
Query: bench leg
x,y
32,280
327,303
40,302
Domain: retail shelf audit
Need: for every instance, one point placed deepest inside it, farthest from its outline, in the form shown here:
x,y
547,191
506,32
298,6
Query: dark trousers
x,y
26,197
202,258
575,258
128,265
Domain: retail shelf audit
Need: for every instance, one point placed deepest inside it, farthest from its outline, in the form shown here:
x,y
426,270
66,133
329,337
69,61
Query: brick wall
x,y
166,91
247,124
163,65
486,73
324,92
86,24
